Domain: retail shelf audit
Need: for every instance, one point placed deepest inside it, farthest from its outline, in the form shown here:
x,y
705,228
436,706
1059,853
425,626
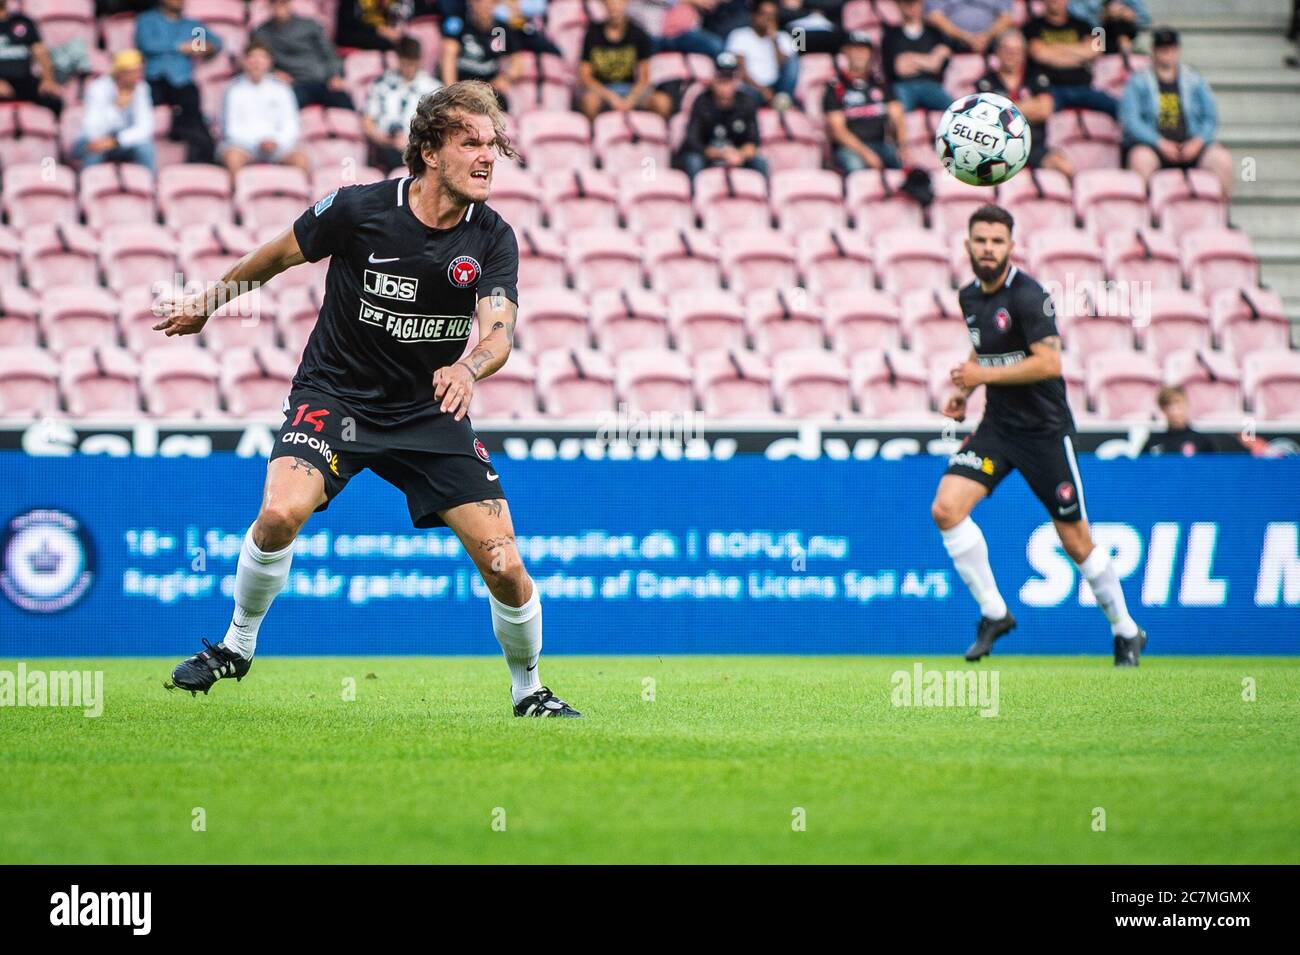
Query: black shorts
x,y
435,461
1048,464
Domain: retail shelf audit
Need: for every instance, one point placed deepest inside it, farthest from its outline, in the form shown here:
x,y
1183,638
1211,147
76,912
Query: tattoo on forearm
x,y
305,466
492,507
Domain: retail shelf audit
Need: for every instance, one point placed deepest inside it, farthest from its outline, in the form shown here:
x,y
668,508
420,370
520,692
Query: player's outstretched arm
x,y
188,314
454,384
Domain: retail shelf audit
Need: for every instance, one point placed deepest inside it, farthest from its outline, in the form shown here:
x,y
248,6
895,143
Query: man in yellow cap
x,y
118,122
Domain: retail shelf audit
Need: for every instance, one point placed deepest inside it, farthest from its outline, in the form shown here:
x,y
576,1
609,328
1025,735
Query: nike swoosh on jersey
x,y
375,261
494,477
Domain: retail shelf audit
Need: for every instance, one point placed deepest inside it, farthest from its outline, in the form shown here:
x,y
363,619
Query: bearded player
x,y
382,384
1027,426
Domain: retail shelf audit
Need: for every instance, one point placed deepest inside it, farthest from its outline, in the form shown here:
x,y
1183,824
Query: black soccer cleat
x,y
1129,649
206,667
988,631
544,703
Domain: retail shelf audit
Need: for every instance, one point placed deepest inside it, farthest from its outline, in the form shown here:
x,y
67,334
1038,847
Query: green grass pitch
x,y
715,768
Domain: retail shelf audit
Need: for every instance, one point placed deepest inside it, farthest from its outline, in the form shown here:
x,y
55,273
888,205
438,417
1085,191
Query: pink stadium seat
x,y
19,317
703,318
511,392
1249,319
1088,326
137,255
580,199
811,384
180,383
28,134
781,320
1076,390
207,251
654,379
1139,256
567,21
296,311
727,199
1123,385
757,259
815,71
10,257
1178,319
1272,384
1071,257
544,83
116,192
29,382
919,128
876,204
954,201
889,384
912,259
790,140
332,137
100,382
604,258
135,320
59,254
1110,73
554,141
833,259
246,322
1211,381
1110,199
682,259
39,193
516,196
575,383
629,318
166,151
270,195
1089,139
657,201
1218,259
871,14
78,316
733,384
553,318
805,199
63,20
1038,199
541,258
931,320
633,140
1183,200
857,319
963,72
118,31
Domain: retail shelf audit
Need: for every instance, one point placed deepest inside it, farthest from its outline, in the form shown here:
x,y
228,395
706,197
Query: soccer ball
x,y
983,139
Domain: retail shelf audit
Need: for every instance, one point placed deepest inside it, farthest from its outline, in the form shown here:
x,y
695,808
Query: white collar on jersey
x,y
403,189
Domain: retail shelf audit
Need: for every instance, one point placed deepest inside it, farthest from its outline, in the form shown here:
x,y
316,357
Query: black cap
x,y
1164,36
859,38
726,63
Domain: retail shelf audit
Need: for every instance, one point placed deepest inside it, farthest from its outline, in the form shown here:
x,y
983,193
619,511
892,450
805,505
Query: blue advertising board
x,y
136,556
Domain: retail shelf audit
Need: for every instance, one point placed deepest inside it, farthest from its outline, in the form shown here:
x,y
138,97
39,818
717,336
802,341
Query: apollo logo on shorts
x,y
463,272
319,445
400,287
969,459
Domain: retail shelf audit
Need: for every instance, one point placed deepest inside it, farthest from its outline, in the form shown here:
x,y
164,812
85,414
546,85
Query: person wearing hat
x,y
22,48
117,125
862,113
1169,117
722,129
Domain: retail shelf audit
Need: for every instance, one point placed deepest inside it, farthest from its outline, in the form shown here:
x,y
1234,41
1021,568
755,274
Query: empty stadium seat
x,y
654,379
580,199
629,318
137,255
805,199
857,319
963,72
100,382
331,136
682,259
1138,256
932,320
912,259
876,203
193,194
811,384
1183,200
635,139
38,194
790,140
511,391
706,318
207,251
1089,139
1210,380
59,254
833,259
112,193
247,321
757,259
729,199
1088,326
541,258
554,141
180,383
28,134
1110,199
553,318
29,382
871,15
1038,199
74,316
781,319
1070,257
889,384
1249,319
516,196
10,257
732,383
296,311
657,200
1178,319
268,195
1272,383
954,201
19,317
1218,259
1110,73
920,128
1123,385
604,258
575,382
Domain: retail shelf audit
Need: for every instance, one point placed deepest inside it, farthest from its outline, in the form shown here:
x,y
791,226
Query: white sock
x,y
519,631
970,554
260,576
1100,574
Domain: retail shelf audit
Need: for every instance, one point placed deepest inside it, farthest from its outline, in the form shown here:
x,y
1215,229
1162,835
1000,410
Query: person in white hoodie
x,y
259,122
117,125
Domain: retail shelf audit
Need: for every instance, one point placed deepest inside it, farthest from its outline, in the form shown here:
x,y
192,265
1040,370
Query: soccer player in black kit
x,y
382,385
1027,426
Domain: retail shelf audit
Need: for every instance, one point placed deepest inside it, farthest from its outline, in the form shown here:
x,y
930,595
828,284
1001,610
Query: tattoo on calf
x,y
498,547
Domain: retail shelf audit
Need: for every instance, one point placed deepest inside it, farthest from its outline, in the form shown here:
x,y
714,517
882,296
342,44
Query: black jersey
x,y
399,298
1002,326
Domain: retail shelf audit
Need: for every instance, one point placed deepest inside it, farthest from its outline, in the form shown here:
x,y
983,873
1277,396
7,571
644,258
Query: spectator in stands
x,y
1121,19
1178,436
862,112
1031,91
392,102
117,125
303,57
1064,47
818,23
369,24
769,62
171,43
1169,116
676,26
20,50
969,27
915,55
259,122
524,18
723,126
615,66
477,48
